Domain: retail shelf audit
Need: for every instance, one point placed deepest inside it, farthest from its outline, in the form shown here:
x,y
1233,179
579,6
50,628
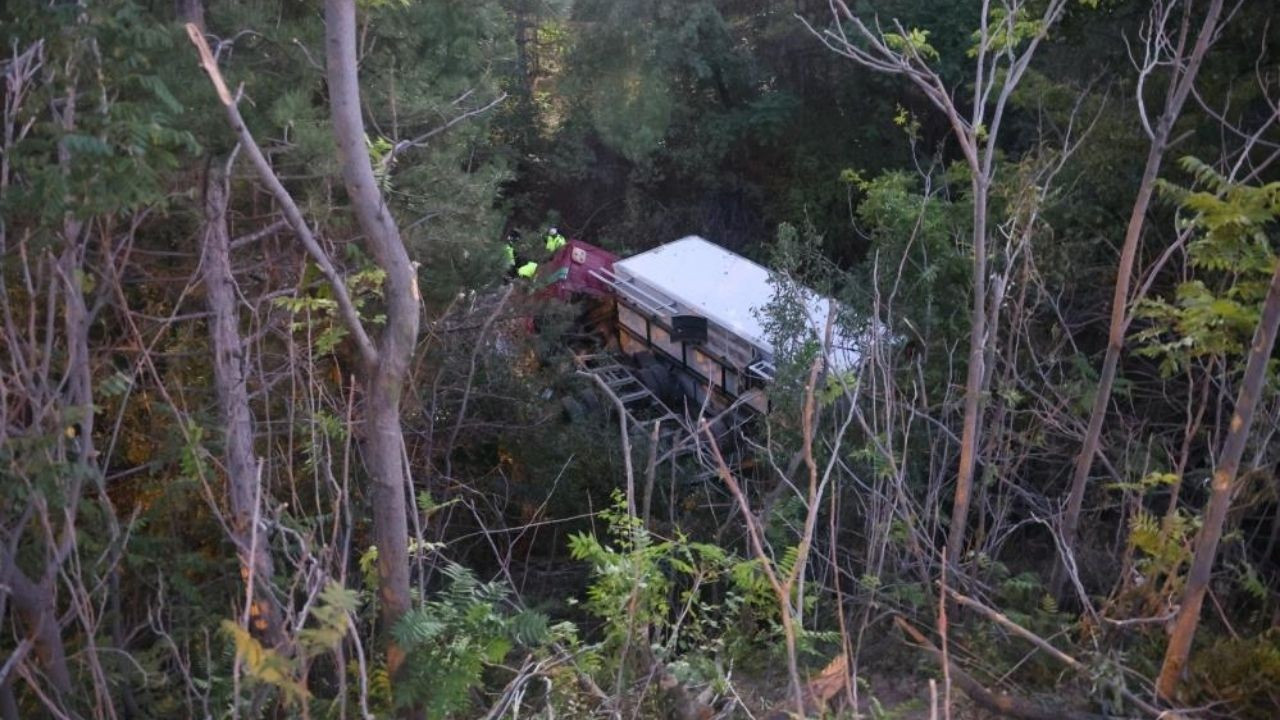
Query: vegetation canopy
x,y
350,366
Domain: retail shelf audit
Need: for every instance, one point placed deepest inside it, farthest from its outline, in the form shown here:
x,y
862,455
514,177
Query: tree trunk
x,y
1224,477
384,365
524,29
35,604
1174,100
384,376
1115,343
973,389
244,484
34,600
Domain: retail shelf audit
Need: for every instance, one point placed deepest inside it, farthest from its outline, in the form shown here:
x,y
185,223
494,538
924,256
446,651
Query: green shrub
x,y
449,641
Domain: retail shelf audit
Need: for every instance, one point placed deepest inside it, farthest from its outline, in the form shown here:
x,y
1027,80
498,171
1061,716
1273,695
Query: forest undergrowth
x,y
283,433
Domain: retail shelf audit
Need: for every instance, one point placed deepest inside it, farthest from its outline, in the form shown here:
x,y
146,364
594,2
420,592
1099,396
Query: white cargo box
x,y
692,276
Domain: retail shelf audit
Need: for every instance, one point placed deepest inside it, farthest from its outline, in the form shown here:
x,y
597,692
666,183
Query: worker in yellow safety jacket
x,y
555,240
525,270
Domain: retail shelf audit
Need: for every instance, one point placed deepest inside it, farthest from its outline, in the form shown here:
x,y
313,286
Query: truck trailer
x,y
696,308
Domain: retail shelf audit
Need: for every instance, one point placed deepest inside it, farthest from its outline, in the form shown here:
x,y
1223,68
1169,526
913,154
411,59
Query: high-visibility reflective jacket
x,y
555,241
509,254
528,269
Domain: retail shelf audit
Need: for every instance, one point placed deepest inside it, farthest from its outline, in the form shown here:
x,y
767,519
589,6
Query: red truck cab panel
x,y
574,270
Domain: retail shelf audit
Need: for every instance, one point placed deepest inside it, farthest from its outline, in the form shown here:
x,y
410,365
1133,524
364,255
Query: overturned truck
x,y
685,324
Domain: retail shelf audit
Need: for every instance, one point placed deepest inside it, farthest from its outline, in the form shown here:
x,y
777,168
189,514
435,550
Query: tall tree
x,y
384,369
384,363
230,379
33,592
1239,217
1163,48
1005,43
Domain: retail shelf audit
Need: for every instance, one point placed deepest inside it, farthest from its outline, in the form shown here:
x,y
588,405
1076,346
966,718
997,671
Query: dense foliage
x,y
1050,483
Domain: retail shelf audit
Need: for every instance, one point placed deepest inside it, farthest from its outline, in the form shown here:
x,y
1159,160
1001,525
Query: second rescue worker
x,y
555,240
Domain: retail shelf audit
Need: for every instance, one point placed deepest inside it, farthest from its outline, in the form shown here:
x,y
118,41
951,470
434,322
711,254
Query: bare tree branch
x,y
346,308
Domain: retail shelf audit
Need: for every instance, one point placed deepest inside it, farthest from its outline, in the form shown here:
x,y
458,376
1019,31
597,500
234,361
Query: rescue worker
x,y
555,240
528,270
509,258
